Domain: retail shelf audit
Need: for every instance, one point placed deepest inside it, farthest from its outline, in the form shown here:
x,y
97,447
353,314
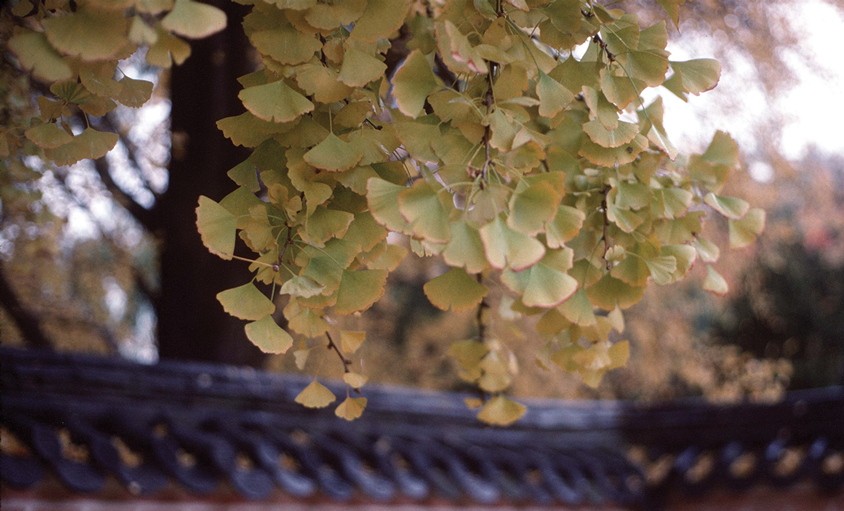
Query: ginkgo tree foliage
x,y
512,142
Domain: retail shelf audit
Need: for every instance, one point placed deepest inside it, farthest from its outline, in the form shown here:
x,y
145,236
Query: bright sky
x,y
812,107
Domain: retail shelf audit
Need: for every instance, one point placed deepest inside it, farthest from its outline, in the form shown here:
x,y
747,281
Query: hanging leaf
x,y
500,411
194,19
412,83
545,284
730,207
553,96
507,248
333,154
465,248
428,218
37,56
315,395
355,380
455,289
351,341
91,34
268,336
48,136
246,302
578,309
360,68
351,408
275,102
564,226
359,290
714,282
383,200
532,207
380,19
743,232
89,145
285,44
217,227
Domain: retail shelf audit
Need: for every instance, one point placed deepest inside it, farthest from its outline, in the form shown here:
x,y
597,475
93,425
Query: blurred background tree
x,y
104,256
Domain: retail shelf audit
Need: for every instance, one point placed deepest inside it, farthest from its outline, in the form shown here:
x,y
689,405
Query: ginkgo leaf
x,y
217,227
246,302
268,336
426,214
662,269
315,395
300,358
333,154
500,411
321,83
743,232
633,195
91,34
275,101
286,44
37,56
455,289
508,248
359,290
134,93
382,197
731,207
308,323
722,150
623,134
88,145
194,19
564,226
714,282
167,50
697,75
355,380
553,96
532,207
380,19
350,341
351,408
140,33
578,309
328,16
707,250
465,248
301,286
545,284
390,259
671,202
495,376
610,156
48,135
360,68
412,83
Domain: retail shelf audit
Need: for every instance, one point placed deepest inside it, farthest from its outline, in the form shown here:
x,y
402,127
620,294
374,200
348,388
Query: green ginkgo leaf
x,y
670,202
383,200
301,286
500,411
610,156
322,83
308,323
268,336
508,248
48,135
708,251
553,96
329,16
359,290
194,19
91,34
662,269
731,207
351,408
333,154
564,226
578,309
697,75
633,195
426,214
465,248
134,93
455,289
743,232
714,282
360,68
623,134
380,19
390,259
88,145
246,302
632,269
315,395
412,83
545,284
722,150
275,101
532,207
217,227
167,50
36,55
286,44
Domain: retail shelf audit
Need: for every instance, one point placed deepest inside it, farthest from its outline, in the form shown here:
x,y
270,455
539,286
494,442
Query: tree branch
x,y
29,324
144,216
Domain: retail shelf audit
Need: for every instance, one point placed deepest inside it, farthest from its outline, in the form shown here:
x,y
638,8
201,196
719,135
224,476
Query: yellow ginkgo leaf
x,y
89,145
91,34
412,84
333,154
268,336
315,395
359,290
351,408
380,19
350,341
507,248
360,68
194,19
217,227
355,380
246,302
37,56
275,101
500,411
455,289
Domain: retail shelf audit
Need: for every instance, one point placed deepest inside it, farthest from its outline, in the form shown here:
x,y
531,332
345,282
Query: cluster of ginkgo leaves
x,y
512,142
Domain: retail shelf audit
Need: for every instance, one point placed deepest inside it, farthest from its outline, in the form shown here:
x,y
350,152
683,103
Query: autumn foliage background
x,y
102,288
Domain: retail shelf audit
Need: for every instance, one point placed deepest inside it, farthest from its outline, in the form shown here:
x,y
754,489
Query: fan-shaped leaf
x,y
333,154
217,227
744,232
246,302
268,336
351,408
714,282
507,248
315,395
48,135
455,289
36,55
500,411
91,34
359,290
88,145
421,206
275,102
194,19
412,84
